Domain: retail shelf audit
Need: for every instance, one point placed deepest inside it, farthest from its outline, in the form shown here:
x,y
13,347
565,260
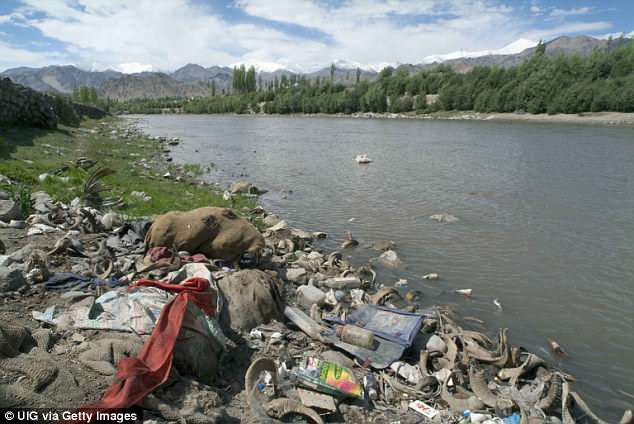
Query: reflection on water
x,y
545,212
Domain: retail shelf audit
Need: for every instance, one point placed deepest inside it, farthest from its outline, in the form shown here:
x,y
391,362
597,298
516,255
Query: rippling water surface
x,y
546,217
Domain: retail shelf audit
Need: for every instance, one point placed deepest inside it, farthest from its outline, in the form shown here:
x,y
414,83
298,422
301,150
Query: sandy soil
x,y
595,118
605,118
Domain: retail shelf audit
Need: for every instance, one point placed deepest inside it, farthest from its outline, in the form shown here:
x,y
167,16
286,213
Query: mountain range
x,y
194,80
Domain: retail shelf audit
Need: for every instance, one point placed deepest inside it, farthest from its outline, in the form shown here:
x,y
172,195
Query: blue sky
x,y
299,34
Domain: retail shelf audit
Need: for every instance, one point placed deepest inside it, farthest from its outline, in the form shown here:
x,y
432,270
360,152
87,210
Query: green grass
x,y
25,153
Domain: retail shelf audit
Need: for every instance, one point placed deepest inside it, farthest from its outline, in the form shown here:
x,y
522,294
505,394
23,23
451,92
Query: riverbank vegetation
x,y
26,153
602,81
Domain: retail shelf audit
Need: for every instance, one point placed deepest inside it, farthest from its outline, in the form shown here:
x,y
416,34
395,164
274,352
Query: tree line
x,y
601,81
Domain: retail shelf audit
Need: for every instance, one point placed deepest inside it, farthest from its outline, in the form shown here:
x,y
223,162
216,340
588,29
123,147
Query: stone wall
x,y
22,105
19,104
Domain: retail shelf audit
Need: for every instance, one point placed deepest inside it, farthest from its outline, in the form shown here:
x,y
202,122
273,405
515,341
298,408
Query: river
x,y
546,218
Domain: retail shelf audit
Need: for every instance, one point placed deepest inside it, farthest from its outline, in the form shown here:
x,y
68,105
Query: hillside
x,y
59,79
581,45
149,85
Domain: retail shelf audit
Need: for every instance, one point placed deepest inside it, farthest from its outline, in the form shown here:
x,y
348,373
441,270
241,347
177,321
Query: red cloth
x,y
197,258
158,253
137,377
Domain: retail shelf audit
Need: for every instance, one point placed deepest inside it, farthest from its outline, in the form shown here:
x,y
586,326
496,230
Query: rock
x,y
22,254
301,234
252,298
313,399
319,235
271,220
296,275
141,195
2,248
436,344
383,245
4,260
4,195
11,279
444,217
9,210
390,259
111,220
245,187
282,225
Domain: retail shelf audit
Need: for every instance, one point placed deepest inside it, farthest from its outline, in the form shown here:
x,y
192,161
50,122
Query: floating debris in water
x,y
466,292
498,304
556,347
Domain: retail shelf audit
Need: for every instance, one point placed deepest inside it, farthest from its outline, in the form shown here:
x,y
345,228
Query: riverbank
x,y
587,118
40,159
294,260
591,118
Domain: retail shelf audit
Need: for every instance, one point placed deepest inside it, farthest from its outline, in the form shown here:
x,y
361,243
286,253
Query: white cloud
x,y
570,12
163,35
617,35
569,28
536,9
11,56
365,31
132,68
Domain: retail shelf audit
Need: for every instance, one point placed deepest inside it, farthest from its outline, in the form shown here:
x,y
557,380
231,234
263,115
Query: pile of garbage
x,y
201,316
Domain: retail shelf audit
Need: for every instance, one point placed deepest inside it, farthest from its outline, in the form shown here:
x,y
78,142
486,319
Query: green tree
x,y
250,80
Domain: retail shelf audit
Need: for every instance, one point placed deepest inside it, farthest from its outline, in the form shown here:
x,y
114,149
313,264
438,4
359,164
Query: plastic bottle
x,y
356,336
475,417
342,283
307,296
370,386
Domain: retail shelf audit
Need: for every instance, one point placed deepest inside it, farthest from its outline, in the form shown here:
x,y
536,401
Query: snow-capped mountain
x,y
513,48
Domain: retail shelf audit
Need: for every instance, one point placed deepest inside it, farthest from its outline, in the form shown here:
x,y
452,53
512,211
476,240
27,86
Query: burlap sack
x,y
252,298
217,233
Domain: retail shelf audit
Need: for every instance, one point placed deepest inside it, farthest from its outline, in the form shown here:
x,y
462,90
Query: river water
x,y
546,218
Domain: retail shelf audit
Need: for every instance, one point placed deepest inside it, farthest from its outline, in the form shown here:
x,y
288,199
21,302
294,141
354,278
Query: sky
x,y
301,35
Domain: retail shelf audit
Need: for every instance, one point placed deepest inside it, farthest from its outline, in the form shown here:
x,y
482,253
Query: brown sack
x,y
218,233
252,298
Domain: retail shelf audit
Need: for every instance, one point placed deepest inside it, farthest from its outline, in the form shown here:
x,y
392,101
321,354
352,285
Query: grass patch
x,y
26,153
